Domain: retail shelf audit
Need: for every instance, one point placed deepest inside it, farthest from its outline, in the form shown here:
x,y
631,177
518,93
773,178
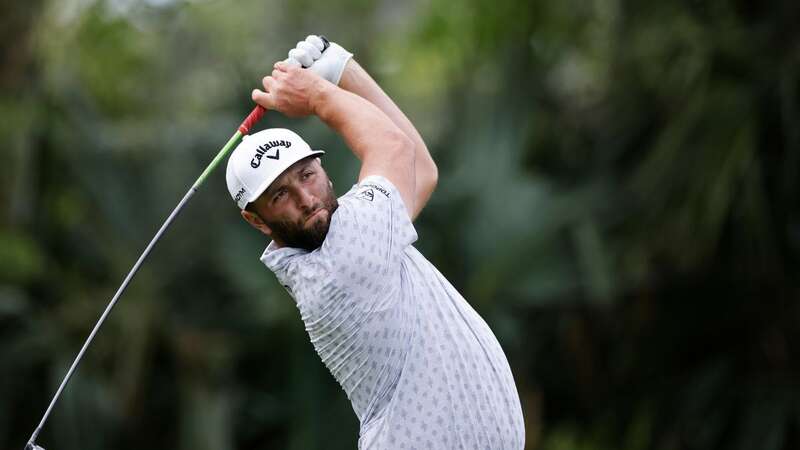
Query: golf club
x,y
243,129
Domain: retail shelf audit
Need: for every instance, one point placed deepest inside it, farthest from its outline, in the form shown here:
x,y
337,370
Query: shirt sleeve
x,y
369,232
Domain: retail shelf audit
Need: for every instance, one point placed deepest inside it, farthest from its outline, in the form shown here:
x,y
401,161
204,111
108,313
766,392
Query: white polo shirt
x,y
419,365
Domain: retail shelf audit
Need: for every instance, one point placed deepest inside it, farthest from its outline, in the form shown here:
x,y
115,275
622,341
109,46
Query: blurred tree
x,y
618,197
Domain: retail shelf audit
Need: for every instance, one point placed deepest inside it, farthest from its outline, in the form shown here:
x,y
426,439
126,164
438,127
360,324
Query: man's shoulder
x,y
279,259
370,188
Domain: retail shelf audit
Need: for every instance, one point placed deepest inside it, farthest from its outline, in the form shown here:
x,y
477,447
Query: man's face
x,y
296,210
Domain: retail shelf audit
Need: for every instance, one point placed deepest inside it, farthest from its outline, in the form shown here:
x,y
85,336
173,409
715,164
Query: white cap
x,y
261,158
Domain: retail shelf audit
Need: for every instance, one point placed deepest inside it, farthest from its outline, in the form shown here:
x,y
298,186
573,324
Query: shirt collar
x,y
275,257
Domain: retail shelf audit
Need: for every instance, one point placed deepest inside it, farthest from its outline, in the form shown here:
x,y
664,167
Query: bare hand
x,y
290,90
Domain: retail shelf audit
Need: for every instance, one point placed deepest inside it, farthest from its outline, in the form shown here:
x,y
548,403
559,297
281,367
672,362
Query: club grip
x,y
255,115
325,42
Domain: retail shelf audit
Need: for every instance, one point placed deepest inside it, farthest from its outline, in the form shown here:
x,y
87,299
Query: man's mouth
x,y
314,215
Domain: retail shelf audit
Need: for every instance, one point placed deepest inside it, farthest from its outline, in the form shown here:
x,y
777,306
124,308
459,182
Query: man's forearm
x,y
382,147
356,80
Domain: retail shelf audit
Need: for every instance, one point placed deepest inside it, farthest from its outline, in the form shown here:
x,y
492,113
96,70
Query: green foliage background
x,y
618,197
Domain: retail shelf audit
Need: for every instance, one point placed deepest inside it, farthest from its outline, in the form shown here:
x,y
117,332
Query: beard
x,y
294,234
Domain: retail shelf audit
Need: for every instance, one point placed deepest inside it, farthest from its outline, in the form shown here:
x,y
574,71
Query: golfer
x,y
419,365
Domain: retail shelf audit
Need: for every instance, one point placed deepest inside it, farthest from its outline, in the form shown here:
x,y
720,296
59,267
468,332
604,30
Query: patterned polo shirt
x,y
421,368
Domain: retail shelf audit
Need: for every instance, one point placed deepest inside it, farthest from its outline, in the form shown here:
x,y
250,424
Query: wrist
x,y
322,93
349,75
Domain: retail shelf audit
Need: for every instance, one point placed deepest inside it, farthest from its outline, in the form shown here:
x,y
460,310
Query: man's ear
x,y
255,221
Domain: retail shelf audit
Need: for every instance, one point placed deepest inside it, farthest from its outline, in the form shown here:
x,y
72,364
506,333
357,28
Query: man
x,y
419,365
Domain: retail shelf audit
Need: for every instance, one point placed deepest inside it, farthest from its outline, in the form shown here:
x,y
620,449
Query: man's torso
x,y
419,365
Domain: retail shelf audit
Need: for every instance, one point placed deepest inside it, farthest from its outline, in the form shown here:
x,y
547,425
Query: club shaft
x,y
110,306
200,180
218,159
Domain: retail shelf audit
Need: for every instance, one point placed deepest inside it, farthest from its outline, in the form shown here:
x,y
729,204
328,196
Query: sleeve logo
x,y
380,189
366,195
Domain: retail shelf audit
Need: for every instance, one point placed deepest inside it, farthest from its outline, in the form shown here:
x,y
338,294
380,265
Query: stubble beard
x,y
294,234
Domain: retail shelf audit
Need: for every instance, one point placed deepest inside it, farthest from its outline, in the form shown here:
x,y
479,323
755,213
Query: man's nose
x,y
306,200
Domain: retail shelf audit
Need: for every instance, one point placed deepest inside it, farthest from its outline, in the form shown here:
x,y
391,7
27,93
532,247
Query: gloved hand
x,y
327,62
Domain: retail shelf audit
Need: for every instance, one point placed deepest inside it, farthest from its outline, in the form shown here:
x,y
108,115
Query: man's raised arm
x,y
356,80
336,65
383,148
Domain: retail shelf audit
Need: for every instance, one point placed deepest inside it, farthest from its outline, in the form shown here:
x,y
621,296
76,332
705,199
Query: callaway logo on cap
x,y
261,158
261,151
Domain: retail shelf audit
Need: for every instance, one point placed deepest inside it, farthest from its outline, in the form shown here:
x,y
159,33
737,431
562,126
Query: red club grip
x,y
255,115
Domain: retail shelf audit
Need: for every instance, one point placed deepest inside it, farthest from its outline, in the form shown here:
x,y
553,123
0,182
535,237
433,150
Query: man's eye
x,y
307,175
279,195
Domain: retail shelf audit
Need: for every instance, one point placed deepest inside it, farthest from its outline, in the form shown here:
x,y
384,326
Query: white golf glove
x,y
326,62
